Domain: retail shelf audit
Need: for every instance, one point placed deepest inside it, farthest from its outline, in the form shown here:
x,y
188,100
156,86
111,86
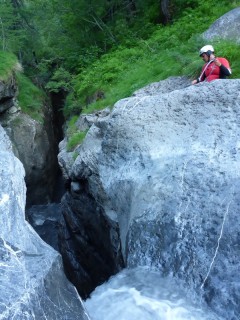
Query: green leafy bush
x,y
60,80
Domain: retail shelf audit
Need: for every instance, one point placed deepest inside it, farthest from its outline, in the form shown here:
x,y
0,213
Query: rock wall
x,y
89,240
33,143
164,167
31,274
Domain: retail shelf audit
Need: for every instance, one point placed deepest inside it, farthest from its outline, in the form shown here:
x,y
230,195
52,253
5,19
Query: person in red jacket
x,y
214,68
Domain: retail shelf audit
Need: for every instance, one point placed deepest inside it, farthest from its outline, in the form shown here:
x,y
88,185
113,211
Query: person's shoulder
x,y
222,59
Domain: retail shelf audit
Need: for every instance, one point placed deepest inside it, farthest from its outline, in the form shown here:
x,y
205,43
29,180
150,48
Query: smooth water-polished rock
x,y
166,167
32,282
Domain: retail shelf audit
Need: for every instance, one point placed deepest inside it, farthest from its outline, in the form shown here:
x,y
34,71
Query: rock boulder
x,y
33,143
33,285
164,167
226,27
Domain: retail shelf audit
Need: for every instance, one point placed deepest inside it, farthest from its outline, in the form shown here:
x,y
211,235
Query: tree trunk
x,y
165,10
3,35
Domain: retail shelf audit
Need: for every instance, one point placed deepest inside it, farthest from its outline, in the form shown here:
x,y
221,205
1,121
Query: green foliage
x,y
11,30
71,125
83,47
31,98
72,106
8,64
170,51
231,51
75,139
60,80
74,136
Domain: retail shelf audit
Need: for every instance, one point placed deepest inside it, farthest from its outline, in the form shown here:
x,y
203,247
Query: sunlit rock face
x,y
32,282
165,167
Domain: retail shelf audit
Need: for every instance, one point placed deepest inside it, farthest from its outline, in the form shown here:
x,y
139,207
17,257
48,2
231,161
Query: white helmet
x,y
208,49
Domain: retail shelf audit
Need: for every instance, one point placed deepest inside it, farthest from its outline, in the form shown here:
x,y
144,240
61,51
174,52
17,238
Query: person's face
x,y
205,57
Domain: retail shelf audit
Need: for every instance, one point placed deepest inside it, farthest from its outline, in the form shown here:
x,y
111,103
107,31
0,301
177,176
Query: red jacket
x,y
211,71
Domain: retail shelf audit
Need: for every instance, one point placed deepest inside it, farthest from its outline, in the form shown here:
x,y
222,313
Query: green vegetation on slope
x,y
31,98
101,51
74,136
170,51
8,64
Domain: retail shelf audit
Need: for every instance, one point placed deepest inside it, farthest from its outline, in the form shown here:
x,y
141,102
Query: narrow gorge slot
x,y
71,221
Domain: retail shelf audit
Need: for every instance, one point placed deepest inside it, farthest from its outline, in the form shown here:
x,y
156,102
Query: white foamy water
x,y
142,294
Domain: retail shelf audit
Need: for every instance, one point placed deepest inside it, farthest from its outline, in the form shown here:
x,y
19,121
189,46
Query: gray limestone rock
x,y
85,121
32,282
65,159
33,144
165,168
226,27
164,86
89,239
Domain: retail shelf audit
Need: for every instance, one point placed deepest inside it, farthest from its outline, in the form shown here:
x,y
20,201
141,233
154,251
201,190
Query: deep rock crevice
x,y
89,244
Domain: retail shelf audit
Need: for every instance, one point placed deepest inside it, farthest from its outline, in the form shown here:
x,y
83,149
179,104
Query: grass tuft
x,y
75,139
31,99
8,64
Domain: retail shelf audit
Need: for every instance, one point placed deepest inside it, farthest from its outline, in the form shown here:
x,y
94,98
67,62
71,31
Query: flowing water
x,y
142,294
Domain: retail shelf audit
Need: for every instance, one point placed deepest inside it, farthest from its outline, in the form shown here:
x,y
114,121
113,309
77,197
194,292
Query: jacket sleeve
x,y
225,69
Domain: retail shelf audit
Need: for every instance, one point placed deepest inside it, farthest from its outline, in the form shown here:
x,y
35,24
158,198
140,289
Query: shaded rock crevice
x,y
88,243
